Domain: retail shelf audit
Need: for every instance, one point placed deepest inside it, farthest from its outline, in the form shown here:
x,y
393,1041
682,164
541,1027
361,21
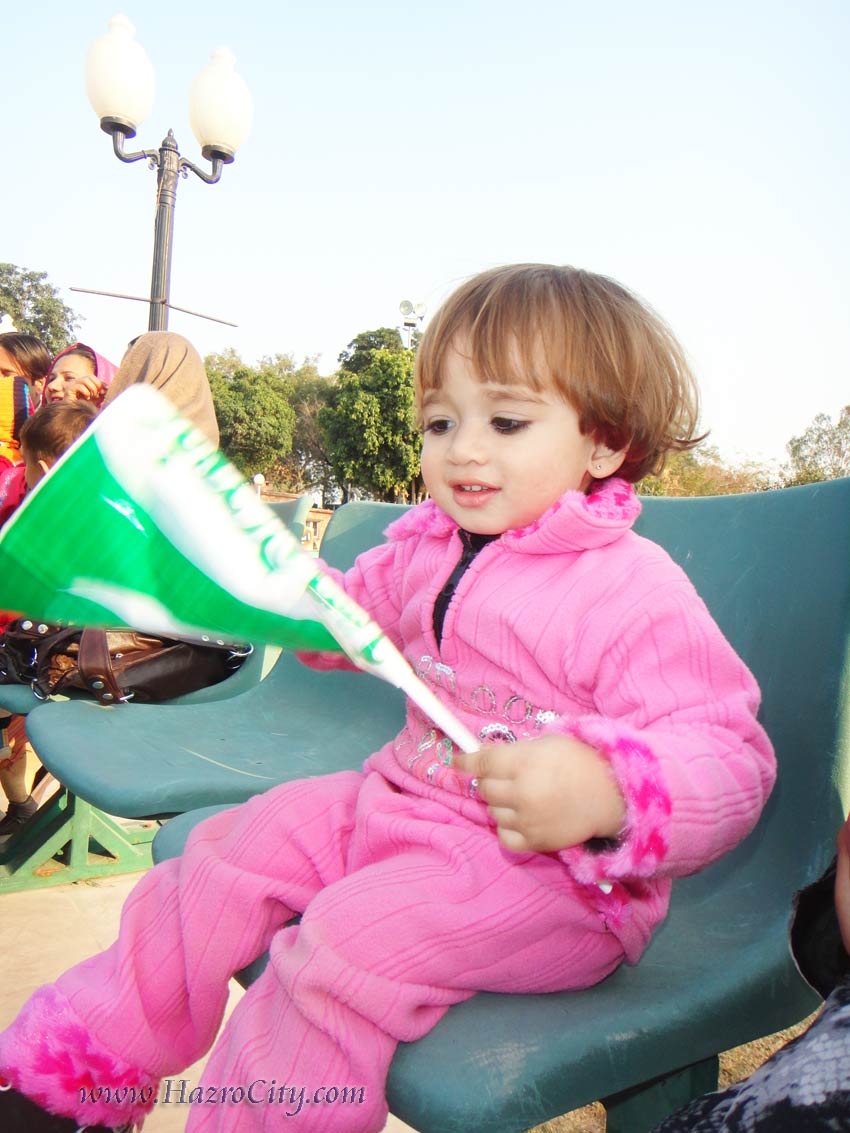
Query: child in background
x,y
619,749
49,433
44,437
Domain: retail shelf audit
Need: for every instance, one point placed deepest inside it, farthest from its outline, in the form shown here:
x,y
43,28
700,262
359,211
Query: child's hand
x,y
546,794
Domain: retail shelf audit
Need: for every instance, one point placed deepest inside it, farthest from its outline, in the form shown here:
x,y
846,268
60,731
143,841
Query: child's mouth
x,y
473,495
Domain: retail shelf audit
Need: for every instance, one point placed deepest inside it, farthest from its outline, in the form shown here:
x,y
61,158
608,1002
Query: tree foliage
x,y
369,427
820,452
255,417
308,466
358,355
35,307
703,472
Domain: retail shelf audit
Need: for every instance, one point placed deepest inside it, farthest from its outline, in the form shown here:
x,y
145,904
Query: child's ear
x,y
44,466
605,461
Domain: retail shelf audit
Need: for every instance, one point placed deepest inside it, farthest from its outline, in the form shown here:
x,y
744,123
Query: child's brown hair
x,y
607,353
54,428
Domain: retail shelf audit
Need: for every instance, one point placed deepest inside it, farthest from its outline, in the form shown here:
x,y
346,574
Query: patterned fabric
x,y
803,1088
15,407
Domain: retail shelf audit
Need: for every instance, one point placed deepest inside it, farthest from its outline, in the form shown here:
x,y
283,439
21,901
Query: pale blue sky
x,y
697,152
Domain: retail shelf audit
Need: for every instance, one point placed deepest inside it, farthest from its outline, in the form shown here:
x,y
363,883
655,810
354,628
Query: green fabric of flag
x,y
143,523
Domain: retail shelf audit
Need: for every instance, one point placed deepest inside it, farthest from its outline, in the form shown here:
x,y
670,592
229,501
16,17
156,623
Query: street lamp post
x,y
120,87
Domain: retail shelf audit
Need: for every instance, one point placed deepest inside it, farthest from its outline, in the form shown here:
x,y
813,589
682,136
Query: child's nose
x,y
468,443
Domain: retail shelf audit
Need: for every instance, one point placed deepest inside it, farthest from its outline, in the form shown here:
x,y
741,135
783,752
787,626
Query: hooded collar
x,y
575,522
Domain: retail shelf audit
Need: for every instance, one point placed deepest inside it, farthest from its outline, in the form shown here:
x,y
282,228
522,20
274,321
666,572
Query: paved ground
x,y
44,931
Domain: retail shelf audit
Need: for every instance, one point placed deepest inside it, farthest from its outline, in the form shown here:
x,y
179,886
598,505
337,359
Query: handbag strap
x,y
95,665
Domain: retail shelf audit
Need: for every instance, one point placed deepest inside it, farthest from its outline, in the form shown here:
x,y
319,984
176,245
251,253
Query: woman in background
x,y
79,361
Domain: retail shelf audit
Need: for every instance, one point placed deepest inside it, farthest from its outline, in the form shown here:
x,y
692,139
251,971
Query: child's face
x,y
67,368
496,457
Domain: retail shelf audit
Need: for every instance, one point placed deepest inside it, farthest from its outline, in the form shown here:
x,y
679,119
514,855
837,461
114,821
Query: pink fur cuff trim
x,y
646,836
48,1055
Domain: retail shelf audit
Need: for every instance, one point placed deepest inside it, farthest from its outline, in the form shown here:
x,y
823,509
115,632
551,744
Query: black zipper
x,y
472,544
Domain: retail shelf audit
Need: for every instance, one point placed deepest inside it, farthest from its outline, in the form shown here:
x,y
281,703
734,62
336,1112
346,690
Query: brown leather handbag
x,y
114,665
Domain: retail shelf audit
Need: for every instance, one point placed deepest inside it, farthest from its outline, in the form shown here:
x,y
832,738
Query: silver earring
x,y
598,467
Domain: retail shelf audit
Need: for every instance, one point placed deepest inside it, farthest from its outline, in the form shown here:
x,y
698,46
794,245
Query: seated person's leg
x,y
13,775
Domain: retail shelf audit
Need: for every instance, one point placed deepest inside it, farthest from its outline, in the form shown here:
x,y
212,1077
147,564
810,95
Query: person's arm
x,y
372,583
674,726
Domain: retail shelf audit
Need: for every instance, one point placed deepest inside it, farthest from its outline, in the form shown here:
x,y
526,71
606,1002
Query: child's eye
x,y
508,424
438,425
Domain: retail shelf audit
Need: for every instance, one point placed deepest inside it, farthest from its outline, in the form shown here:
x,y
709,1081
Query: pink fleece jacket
x,y
577,625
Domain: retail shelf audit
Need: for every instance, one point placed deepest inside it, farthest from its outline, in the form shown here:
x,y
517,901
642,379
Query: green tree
x,y
308,466
820,452
703,472
370,429
255,418
357,356
226,364
35,307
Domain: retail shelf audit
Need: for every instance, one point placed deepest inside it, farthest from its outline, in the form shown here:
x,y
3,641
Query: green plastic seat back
x,y
354,528
774,569
292,513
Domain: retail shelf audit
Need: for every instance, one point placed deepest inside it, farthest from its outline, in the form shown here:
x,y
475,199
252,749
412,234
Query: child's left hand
x,y
546,794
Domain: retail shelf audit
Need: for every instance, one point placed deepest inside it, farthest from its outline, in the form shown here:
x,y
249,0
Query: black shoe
x,y
20,1115
17,816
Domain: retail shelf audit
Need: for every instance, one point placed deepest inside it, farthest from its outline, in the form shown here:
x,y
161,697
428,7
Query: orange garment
x,y
15,407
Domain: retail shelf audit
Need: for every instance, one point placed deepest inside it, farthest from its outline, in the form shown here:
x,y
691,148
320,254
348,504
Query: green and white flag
x,y
143,523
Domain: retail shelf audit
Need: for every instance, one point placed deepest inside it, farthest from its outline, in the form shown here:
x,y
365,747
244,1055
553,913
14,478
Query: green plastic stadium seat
x,y
774,568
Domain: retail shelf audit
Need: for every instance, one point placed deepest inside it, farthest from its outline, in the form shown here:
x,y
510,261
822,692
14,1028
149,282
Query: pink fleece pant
x,y
408,908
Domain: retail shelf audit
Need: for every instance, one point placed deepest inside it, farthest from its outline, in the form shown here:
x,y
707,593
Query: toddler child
x,y
619,749
49,432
